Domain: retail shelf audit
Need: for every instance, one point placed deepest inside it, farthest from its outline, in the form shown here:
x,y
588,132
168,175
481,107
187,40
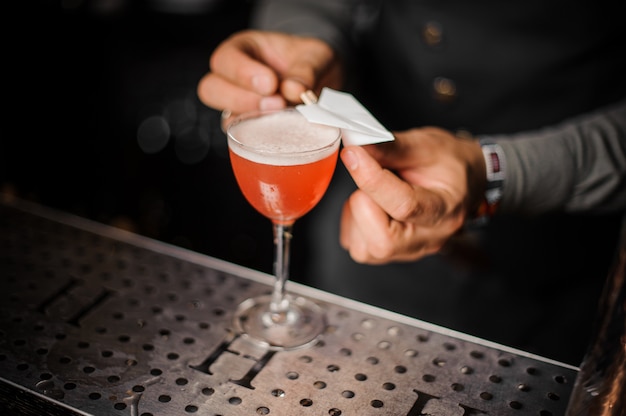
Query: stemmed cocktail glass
x,y
283,165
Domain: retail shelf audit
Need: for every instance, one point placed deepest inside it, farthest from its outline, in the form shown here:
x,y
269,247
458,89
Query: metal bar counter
x,y
99,321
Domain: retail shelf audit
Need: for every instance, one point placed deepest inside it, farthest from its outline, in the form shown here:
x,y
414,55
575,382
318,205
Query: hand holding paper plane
x,y
342,110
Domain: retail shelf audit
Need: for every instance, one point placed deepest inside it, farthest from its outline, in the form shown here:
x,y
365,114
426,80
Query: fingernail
x,y
292,88
349,159
262,84
271,103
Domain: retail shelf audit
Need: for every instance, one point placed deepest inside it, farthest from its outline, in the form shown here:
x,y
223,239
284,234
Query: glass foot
x,y
297,327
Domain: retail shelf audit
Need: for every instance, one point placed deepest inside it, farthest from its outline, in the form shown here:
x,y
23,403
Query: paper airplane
x,y
341,109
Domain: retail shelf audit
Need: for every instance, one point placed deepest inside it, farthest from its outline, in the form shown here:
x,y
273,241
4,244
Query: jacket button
x,y
432,33
444,89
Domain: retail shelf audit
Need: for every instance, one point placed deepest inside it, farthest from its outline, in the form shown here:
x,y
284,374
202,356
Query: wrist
x,y
495,168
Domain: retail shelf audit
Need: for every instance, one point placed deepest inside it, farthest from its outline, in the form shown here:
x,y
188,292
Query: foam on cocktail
x,y
283,139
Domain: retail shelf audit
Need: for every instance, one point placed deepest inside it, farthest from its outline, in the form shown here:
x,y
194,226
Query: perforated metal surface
x,y
110,323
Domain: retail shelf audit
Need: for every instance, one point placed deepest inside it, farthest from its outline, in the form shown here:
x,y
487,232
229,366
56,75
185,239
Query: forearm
x,y
577,166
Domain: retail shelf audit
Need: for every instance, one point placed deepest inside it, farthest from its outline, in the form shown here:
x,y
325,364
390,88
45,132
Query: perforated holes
x,y
466,370
553,396
333,368
320,385
400,369
348,394
410,353
477,355
306,402
448,346
389,386
360,377
191,408
357,336
278,393
495,379
368,323
503,362
263,411
457,387
394,331
384,345
376,404
235,401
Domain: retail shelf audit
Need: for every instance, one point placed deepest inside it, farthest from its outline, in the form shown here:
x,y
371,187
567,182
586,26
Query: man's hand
x,y
254,70
414,194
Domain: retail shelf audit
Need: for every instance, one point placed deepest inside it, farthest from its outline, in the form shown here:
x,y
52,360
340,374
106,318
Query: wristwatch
x,y
495,164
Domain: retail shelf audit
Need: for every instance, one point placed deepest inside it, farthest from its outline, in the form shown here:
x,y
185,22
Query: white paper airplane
x,y
341,109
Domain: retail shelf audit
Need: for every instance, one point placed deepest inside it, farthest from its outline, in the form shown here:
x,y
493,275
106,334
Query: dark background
x,y
88,80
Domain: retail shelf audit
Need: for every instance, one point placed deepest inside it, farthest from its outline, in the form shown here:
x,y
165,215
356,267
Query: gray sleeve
x,y
579,165
333,21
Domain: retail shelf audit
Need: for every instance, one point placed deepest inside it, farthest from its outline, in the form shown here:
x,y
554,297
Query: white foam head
x,y
282,138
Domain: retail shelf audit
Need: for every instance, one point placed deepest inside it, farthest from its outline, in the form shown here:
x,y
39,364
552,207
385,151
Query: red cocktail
x,y
283,165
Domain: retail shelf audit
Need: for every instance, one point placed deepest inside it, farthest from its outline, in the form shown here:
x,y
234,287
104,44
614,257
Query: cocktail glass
x,y
283,165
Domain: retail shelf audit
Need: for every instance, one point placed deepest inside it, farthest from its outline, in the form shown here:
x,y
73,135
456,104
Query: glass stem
x,y
282,238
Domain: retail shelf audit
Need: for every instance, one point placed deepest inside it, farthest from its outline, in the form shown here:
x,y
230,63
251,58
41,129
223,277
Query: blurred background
x,y
103,121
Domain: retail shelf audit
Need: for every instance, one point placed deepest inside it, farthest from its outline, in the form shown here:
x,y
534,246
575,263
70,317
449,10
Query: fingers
x,y
399,199
239,61
364,230
372,237
389,219
218,93
238,80
265,70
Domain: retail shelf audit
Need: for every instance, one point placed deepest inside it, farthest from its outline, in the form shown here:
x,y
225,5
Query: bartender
x,y
514,198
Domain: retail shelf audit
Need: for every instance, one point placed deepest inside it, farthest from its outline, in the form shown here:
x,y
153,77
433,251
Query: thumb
x,y
300,78
309,70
